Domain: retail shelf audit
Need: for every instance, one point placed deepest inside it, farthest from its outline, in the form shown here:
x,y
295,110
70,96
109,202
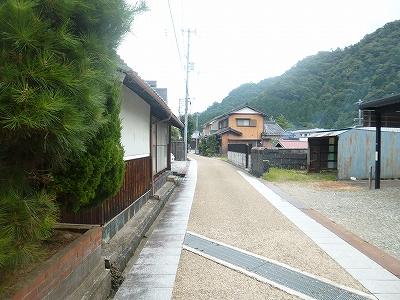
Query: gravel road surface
x,y
226,208
373,215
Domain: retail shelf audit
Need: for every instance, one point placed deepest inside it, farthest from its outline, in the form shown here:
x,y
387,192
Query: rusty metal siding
x,y
356,153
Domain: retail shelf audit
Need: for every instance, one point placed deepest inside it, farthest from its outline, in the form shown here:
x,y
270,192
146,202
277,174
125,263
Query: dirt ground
x,y
373,215
60,239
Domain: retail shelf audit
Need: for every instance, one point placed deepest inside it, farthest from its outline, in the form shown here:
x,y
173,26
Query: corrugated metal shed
x,y
356,153
353,152
328,133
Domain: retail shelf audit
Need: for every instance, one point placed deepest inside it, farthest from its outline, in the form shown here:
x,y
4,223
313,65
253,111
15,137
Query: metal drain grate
x,y
283,277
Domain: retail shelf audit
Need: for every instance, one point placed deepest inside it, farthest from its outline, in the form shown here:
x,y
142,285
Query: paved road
x,y
227,208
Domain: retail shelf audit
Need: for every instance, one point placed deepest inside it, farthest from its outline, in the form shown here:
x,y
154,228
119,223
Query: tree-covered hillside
x,y
321,90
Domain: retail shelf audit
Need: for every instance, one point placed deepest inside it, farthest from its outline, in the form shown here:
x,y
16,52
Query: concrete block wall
x,y
118,222
237,158
161,180
262,158
65,271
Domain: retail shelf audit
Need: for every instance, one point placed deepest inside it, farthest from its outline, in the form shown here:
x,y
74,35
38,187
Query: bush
x,y
208,146
26,218
58,110
97,174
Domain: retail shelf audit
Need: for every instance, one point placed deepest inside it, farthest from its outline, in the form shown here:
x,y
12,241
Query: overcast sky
x,y
241,41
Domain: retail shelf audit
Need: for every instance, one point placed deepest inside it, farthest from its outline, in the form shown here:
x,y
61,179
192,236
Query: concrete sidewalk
x,y
153,274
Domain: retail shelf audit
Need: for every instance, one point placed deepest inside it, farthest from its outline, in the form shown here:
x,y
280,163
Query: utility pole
x,y
187,93
198,133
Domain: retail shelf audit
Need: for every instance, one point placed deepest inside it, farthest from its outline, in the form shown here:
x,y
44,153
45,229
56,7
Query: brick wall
x,y
262,158
59,276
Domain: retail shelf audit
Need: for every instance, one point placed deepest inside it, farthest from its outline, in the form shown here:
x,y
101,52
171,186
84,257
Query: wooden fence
x,y
137,181
178,150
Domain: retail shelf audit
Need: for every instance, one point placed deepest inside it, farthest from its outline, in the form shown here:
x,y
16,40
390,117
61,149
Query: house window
x,y
223,124
332,153
246,123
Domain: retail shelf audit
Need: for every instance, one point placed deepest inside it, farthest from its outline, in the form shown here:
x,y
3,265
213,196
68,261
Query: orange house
x,y
243,125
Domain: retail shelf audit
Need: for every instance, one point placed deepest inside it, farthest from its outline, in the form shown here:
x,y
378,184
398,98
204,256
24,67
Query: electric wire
x,y
176,39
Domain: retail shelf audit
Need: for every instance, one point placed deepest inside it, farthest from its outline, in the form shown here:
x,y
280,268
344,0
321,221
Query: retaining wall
x,y
61,275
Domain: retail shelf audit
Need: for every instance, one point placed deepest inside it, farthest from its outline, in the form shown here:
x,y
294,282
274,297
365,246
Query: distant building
x,y
210,127
243,125
194,139
351,152
291,144
304,133
272,134
162,92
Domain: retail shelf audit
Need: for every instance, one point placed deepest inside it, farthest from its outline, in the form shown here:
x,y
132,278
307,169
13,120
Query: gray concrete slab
x,y
153,274
343,253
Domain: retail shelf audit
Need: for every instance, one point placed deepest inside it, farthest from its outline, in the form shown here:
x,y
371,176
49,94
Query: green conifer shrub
x,y
58,106
96,174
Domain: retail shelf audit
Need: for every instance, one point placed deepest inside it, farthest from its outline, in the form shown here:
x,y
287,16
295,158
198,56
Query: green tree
x,y
191,126
281,121
57,69
96,174
208,146
175,134
321,90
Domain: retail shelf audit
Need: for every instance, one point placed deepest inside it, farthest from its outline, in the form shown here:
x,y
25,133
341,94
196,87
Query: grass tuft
x,y
276,174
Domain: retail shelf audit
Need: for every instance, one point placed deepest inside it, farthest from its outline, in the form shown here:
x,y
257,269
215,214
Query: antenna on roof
x,y
360,116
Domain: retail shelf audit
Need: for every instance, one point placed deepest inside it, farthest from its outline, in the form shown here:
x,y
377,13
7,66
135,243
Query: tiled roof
x,y
227,129
272,128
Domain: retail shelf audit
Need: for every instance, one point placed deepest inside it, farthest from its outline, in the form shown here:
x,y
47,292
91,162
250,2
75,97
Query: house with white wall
x,y
146,122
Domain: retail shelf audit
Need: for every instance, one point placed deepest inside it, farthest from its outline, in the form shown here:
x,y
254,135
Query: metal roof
x,y
327,133
387,102
293,144
196,134
340,131
383,129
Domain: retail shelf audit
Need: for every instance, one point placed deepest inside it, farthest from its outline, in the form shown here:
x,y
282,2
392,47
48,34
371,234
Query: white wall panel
x,y
162,145
135,121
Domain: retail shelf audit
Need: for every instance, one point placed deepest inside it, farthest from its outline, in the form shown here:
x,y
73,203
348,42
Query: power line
x,y
176,39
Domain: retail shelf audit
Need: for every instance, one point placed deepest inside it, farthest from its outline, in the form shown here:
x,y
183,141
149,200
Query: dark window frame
x,y
252,122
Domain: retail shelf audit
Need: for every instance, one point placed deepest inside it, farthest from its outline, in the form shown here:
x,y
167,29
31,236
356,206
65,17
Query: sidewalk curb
x,y
118,251
382,258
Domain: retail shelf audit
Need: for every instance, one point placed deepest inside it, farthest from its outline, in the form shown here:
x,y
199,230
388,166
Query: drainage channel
x,y
279,275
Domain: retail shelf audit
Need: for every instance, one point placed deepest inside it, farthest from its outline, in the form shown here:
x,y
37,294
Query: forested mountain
x,y
321,90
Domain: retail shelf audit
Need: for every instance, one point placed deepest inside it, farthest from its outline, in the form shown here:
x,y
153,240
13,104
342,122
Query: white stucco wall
x,y
135,121
162,145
